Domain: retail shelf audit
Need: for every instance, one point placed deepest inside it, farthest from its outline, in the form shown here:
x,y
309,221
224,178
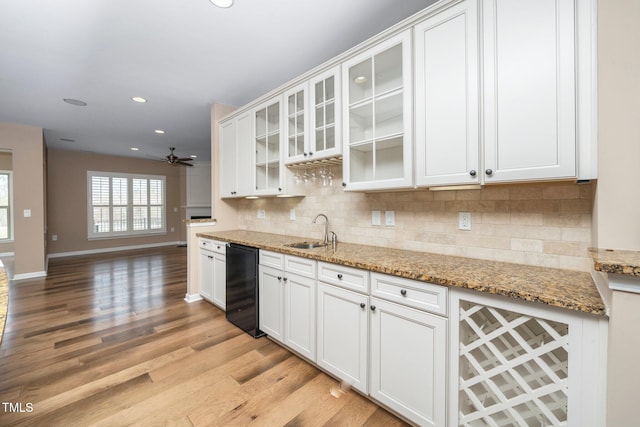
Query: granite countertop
x,y
616,261
4,300
568,289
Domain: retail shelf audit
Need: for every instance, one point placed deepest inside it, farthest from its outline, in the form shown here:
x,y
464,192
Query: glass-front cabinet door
x,y
377,92
297,134
325,114
267,128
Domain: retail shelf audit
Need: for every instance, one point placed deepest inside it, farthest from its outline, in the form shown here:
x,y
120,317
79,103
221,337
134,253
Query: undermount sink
x,y
305,245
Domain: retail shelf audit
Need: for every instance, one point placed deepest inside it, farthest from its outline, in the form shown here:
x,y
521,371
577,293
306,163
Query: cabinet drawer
x,y
272,259
213,245
420,295
300,266
346,277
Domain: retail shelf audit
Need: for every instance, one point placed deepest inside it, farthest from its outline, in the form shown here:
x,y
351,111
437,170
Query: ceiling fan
x,y
172,159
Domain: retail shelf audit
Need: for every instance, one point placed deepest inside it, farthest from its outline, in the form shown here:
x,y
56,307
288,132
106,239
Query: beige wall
x,y
617,205
538,224
6,164
67,199
27,147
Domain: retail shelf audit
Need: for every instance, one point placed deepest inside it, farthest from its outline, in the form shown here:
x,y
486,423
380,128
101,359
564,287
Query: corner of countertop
x,y
616,261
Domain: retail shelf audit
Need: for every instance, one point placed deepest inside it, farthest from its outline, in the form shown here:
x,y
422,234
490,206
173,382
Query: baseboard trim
x,y
192,298
114,249
34,275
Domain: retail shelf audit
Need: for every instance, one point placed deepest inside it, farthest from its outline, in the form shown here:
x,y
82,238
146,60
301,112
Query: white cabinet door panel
x,y
529,90
300,315
447,110
271,290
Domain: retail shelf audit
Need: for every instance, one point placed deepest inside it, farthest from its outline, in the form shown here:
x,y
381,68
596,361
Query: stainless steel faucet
x,y
326,227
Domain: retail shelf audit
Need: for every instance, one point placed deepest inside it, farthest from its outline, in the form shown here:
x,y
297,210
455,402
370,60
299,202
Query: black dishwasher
x,y
242,288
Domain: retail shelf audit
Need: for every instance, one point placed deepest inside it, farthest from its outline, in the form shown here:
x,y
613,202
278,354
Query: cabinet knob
x,y
489,172
340,276
362,305
310,153
279,278
472,172
344,184
279,188
403,292
218,247
305,154
373,308
209,256
284,279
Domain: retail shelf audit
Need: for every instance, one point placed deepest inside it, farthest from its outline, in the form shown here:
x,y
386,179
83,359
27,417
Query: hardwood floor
x,y
108,340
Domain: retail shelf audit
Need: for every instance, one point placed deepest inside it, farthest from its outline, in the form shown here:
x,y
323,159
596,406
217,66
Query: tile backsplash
x,y
547,224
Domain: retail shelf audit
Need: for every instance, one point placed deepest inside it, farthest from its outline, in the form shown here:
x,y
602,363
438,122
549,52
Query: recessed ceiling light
x,y
222,3
159,131
67,140
139,99
193,156
134,148
75,102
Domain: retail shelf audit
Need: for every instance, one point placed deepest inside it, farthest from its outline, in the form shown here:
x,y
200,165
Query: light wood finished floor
x,y
108,340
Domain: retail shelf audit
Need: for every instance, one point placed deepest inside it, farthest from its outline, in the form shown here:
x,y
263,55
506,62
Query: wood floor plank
x,y
108,340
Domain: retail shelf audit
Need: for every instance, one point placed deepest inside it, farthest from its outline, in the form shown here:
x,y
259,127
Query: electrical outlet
x,y
173,229
390,217
261,214
54,237
464,221
292,214
27,213
375,217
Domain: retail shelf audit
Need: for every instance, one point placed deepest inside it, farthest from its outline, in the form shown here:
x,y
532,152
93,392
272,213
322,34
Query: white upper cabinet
x,y
446,97
236,156
326,133
529,86
377,112
268,141
297,126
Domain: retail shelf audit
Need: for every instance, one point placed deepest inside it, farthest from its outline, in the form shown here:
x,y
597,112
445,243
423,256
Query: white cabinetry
x,y
268,142
377,94
515,363
236,156
297,126
213,269
529,86
326,132
287,289
409,347
446,100
343,328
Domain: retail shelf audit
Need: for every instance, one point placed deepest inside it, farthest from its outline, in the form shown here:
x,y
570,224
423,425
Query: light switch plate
x,y
292,214
27,213
261,214
390,217
375,217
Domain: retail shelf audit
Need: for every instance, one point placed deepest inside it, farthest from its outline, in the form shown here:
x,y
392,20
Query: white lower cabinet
x,y
213,279
408,361
288,301
343,329
522,364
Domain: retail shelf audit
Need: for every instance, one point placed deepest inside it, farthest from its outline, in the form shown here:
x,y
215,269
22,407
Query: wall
x,y
6,164
67,199
536,224
27,147
617,205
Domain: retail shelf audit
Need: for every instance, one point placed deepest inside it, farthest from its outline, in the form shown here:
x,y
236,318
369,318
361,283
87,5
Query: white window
x,y
121,204
6,205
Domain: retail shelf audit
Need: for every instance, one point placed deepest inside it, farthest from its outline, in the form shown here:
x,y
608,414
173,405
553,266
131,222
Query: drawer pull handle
x,y
373,308
340,276
403,292
362,305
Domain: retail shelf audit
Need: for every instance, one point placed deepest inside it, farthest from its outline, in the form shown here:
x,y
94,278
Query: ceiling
x,y
181,55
